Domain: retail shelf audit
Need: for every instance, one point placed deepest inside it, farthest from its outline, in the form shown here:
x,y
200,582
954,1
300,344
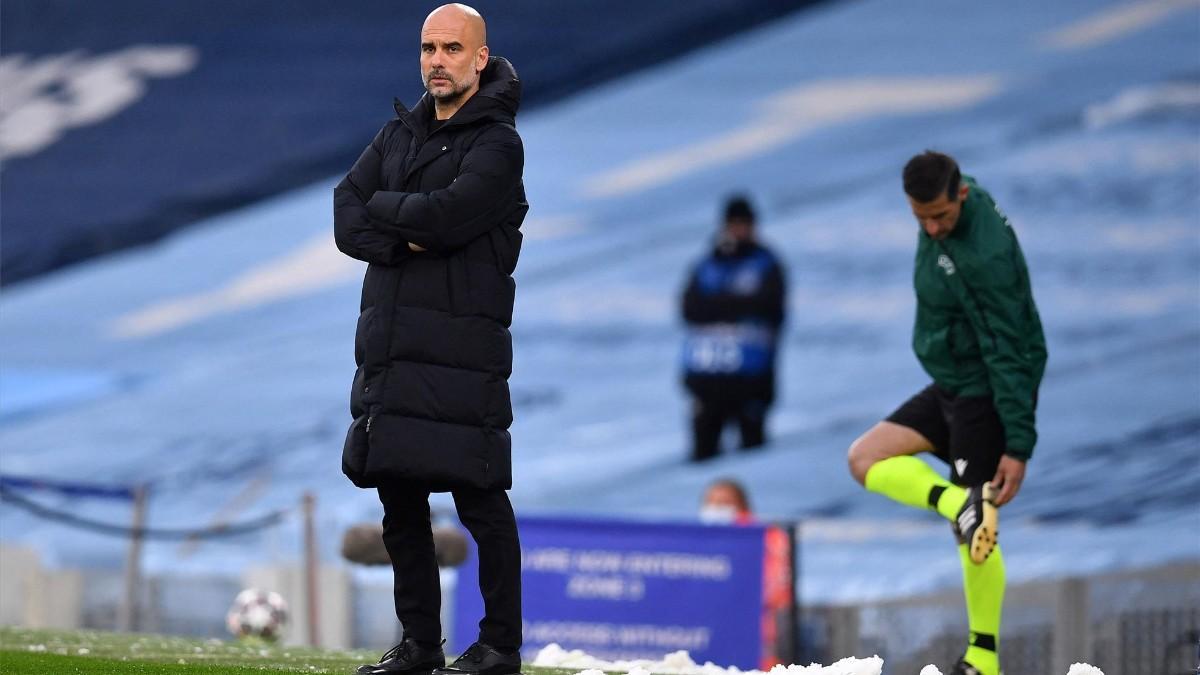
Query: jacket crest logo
x,y
946,264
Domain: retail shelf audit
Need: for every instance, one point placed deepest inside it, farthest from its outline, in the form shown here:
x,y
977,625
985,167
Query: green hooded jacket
x,y
977,330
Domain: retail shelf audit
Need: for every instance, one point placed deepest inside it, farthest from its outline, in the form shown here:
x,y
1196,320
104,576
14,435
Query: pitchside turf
x,y
48,651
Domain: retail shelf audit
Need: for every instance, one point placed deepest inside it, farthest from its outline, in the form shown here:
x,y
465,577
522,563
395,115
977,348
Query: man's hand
x,y
414,247
1008,478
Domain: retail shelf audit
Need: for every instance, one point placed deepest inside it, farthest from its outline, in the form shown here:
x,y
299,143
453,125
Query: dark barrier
x,y
124,120
13,487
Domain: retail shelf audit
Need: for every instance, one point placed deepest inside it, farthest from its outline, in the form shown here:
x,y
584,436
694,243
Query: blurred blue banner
x,y
624,590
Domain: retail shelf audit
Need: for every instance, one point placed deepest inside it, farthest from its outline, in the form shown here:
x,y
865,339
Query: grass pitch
x,y
25,650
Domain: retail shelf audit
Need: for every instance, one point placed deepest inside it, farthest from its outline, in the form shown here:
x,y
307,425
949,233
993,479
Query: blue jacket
x,y
734,308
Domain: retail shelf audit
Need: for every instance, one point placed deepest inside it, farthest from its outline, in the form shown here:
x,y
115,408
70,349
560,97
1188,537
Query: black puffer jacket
x,y
430,397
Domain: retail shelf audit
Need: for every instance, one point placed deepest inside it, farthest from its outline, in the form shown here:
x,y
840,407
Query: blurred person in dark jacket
x,y
434,205
734,309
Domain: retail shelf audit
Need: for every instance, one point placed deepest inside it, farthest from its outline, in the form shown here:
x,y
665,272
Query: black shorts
x,y
965,431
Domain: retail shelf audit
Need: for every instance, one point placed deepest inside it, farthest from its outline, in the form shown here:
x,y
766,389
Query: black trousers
x,y
408,536
711,414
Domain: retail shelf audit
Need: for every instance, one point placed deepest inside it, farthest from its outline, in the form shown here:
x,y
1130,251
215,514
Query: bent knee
x,y
860,459
883,441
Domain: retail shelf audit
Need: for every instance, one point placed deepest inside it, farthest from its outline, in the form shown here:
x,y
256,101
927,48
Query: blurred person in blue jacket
x,y
734,309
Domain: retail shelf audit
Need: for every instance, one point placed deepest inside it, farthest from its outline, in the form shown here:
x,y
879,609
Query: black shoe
x,y
481,659
977,522
406,658
961,667
964,668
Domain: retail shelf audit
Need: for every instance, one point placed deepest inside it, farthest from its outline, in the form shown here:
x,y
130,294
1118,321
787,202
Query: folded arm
x,y
356,233
450,218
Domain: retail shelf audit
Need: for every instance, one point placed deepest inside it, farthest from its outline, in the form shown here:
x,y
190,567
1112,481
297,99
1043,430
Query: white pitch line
x,y
791,114
315,265
1111,24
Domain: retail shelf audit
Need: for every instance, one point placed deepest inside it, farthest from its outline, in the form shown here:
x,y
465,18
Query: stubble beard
x,y
456,91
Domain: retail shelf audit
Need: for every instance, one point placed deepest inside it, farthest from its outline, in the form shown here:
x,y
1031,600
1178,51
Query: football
x,y
257,613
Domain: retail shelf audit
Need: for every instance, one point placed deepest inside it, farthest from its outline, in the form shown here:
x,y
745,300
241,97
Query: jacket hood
x,y
497,100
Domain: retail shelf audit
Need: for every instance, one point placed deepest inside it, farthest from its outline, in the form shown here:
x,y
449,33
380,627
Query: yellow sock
x,y
911,481
983,586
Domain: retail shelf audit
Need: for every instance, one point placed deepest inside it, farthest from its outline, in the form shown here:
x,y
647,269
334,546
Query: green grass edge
x,y
28,650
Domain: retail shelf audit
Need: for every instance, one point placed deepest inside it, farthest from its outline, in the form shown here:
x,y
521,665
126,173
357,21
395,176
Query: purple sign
x,y
625,589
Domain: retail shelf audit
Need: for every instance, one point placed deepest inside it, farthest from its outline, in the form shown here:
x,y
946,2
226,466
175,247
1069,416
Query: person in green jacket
x,y
978,335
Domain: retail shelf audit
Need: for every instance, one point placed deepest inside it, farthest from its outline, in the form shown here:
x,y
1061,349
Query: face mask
x,y
726,244
718,514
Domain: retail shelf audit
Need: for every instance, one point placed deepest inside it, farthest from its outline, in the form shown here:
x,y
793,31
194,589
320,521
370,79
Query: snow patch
x,y
681,663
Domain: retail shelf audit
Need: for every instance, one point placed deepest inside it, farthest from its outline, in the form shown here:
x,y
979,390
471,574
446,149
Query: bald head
x,y
457,16
453,53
